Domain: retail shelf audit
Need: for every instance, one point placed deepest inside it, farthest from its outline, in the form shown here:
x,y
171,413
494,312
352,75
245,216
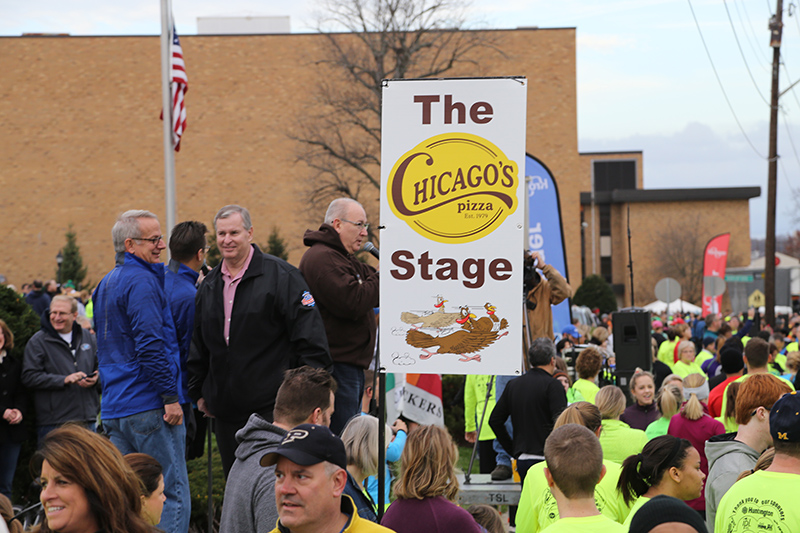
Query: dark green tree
x,y
276,245
213,256
595,292
72,268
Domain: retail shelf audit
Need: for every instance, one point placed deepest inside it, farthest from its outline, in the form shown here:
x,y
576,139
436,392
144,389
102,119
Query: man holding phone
x,y
60,366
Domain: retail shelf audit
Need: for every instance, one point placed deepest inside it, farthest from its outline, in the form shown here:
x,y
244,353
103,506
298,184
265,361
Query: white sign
x,y
452,207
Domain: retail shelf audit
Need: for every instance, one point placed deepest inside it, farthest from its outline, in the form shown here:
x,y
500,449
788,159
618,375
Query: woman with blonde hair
x,y
537,506
668,401
87,486
360,438
427,488
618,439
694,424
686,363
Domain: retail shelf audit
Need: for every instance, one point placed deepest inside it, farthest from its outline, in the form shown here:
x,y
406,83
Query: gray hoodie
x,y
727,458
249,505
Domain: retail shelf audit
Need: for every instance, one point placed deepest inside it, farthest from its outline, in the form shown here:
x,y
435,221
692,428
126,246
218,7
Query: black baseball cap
x,y
309,444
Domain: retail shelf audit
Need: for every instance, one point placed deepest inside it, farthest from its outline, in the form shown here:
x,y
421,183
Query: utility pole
x,y
775,27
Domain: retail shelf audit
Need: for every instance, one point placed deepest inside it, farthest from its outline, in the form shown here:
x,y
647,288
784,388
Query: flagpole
x,y
166,97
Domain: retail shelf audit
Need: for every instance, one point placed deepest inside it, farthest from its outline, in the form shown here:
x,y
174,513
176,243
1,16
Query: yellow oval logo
x,y
454,188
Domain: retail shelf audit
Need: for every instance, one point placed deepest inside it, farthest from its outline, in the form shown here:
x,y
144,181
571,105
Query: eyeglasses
x,y
153,240
359,225
754,412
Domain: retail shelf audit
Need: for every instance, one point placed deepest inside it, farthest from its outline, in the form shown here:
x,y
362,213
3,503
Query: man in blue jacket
x,y
139,360
187,248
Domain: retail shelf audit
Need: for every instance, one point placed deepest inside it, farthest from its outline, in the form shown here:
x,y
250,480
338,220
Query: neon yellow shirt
x,y
666,352
683,370
537,505
637,503
619,440
763,501
586,524
587,389
703,356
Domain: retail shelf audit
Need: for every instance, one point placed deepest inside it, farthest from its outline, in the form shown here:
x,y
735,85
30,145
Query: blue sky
x,y
644,79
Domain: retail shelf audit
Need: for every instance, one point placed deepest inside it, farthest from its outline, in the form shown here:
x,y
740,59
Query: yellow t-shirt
x,y
619,440
637,504
587,389
586,524
683,370
763,501
537,505
666,352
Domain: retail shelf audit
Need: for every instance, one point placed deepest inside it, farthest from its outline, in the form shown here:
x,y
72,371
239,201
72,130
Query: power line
x,y
741,52
792,87
761,52
722,87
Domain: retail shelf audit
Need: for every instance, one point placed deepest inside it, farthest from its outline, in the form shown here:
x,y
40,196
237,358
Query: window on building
x,y
605,268
605,219
610,175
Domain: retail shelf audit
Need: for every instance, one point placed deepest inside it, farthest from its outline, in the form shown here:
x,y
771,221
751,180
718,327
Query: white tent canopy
x,y
678,306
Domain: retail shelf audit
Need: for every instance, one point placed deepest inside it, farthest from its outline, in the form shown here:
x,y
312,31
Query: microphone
x,y
369,247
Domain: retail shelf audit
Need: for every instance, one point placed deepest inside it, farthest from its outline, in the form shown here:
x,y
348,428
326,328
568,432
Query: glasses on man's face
x,y
153,240
59,314
359,225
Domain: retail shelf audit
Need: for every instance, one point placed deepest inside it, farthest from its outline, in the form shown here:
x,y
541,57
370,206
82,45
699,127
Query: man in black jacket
x,y
533,401
346,291
60,367
254,318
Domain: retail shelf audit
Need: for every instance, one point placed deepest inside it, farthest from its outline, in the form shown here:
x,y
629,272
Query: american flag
x,y
180,84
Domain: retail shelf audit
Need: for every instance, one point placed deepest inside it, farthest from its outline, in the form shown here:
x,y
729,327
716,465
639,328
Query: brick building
x,y
81,141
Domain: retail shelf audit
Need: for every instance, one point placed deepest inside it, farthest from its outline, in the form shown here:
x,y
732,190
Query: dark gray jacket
x,y
48,360
250,490
727,458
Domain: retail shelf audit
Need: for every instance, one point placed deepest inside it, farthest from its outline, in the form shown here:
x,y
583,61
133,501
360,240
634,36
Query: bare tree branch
x,y
340,138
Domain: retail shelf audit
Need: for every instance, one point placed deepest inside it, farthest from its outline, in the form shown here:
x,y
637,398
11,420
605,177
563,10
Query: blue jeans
x,y
147,432
349,389
503,458
9,453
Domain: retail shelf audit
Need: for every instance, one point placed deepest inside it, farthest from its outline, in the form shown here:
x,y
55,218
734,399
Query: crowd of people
x,y
278,357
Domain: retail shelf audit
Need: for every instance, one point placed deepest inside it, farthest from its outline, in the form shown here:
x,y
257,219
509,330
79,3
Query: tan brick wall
x,y
81,141
651,221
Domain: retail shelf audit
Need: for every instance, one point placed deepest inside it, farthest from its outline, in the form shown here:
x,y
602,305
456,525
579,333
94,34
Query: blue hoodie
x,y
137,347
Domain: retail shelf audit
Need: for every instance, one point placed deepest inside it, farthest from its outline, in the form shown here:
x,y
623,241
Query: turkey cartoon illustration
x,y
474,336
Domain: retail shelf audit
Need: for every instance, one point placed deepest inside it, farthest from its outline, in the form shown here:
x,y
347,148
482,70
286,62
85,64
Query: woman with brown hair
x,y
587,366
87,487
427,487
151,474
667,465
12,399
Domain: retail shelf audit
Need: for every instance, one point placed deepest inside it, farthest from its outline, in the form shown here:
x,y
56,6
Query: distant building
x,y
81,142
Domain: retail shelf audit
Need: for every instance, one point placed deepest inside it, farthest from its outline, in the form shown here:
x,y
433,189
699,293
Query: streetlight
x,y
59,260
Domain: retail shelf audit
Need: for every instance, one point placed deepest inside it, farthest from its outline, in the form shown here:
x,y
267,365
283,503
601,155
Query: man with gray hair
x,y
254,318
533,401
138,355
60,367
346,291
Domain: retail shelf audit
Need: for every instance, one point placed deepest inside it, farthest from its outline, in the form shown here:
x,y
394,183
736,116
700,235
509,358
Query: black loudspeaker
x,y
632,344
